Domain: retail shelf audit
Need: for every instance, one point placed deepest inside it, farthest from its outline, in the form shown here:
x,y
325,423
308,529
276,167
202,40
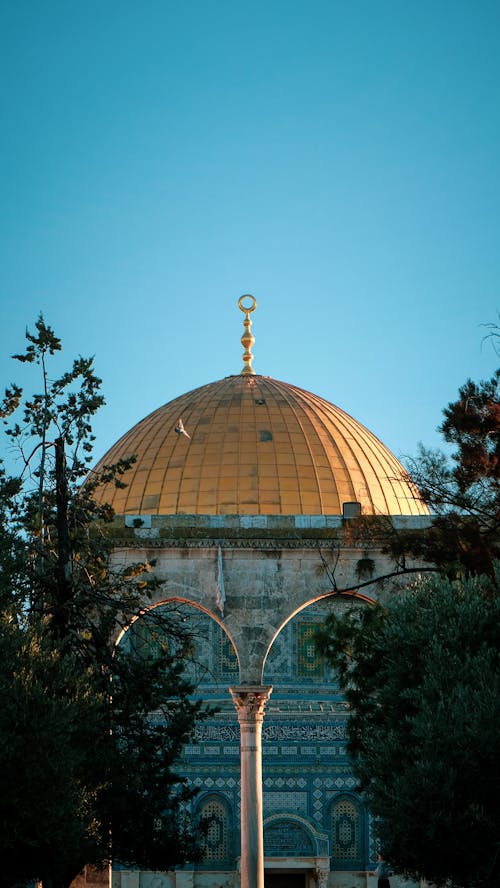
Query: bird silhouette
x,y
181,430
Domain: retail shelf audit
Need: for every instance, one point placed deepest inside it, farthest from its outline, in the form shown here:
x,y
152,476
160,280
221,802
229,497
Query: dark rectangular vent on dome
x,y
265,435
351,510
260,401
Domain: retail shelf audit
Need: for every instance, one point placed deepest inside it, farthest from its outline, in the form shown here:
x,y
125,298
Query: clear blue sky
x,y
339,160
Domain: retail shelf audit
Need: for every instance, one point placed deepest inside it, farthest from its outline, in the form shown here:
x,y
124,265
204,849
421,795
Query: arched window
x,y
214,815
347,833
287,838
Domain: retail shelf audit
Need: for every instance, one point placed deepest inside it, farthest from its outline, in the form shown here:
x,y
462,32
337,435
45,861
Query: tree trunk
x,y
64,565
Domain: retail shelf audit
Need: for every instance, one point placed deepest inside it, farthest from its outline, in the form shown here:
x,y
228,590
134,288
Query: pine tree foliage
x,y
463,493
88,775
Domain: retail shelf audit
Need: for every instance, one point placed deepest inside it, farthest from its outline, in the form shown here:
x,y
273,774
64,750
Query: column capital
x,y
250,701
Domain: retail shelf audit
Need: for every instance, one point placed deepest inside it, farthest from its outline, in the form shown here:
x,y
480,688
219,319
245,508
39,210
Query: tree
x,y
51,724
422,678
422,675
463,494
70,696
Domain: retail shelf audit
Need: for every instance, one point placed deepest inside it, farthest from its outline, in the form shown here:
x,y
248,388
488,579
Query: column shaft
x,y
250,702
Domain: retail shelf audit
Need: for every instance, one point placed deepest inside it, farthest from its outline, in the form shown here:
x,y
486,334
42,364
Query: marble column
x,y
250,701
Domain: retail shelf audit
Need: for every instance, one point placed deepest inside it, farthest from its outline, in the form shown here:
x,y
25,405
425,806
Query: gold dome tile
x,y
257,446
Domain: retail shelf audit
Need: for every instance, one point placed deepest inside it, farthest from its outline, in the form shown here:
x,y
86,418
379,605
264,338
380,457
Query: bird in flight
x,y
181,430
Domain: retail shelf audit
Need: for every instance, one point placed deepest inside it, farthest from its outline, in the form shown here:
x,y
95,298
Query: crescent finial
x,y
248,339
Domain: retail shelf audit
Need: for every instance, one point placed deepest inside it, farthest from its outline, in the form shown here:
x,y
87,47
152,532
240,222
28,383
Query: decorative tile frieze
x,y
224,733
295,802
309,732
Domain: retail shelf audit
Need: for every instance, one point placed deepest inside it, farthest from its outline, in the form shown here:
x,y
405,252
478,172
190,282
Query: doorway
x,y
284,880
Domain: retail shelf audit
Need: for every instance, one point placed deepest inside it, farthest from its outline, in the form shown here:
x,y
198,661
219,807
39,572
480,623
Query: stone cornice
x,y
265,532
274,544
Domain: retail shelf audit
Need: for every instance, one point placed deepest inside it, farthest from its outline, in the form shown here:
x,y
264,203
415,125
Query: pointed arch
x,y
215,816
213,656
309,663
290,835
347,832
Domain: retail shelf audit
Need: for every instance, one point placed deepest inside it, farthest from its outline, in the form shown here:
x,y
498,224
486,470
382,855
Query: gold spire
x,y
248,339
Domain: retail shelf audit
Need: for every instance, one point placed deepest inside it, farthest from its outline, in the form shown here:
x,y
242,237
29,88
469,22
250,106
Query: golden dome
x,y
256,447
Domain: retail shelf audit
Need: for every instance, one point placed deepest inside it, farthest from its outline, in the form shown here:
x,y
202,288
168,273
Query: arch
x,y
347,831
214,814
182,600
310,664
289,835
226,640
